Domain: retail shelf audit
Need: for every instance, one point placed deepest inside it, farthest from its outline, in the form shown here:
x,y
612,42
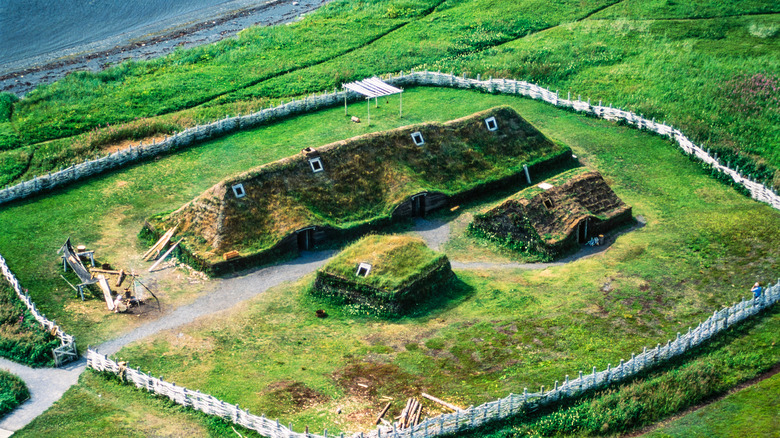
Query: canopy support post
x,y
345,104
368,101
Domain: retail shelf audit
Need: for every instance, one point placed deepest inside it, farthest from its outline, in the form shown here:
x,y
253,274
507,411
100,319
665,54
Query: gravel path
x,y
434,233
47,385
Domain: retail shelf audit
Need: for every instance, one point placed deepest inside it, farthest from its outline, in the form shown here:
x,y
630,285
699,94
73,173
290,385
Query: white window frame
x,y
317,160
492,120
361,266
415,136
238,190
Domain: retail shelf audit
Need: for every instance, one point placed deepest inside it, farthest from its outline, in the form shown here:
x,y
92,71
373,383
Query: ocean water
x,y
32,31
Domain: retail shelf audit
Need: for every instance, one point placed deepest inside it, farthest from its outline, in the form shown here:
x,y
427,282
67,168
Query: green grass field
x,y
708,67
499,330
752,411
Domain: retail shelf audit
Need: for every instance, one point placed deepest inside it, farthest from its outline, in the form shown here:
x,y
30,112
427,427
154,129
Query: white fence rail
x,y
473,416
67,350
316,102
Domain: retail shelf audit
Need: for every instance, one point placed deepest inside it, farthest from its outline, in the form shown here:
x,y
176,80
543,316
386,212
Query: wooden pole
x,y
121,278
382,414
368,101
441,402
70,284
167,253
155,250
148,252
104,271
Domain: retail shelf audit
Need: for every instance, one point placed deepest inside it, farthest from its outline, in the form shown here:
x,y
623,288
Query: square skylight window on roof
x,y
316,165
363,270
238,190
491,123
417,138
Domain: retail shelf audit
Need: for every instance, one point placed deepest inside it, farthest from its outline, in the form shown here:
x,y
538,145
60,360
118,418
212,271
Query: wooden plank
x,y
165,255
156,244
106,292
155,250
230,255
103,271
121,278
441,402
410,414
382,414
416,419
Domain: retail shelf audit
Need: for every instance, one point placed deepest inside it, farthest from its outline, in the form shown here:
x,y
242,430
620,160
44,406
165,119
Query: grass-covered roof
x,y
363,180
395,261
551,212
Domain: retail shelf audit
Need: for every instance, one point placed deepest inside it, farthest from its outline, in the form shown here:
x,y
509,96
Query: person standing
x,y
756,290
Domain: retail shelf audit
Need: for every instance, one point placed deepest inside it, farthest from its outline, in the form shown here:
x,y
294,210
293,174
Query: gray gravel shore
x,y
21,77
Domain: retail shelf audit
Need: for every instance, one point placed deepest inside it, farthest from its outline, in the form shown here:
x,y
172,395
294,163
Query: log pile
x,y
410,416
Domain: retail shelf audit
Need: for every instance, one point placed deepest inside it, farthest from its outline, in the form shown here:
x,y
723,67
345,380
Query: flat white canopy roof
x,y
372,87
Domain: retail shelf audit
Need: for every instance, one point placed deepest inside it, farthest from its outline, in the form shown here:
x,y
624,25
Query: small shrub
x,y
13,392
7,101
9,139
21,337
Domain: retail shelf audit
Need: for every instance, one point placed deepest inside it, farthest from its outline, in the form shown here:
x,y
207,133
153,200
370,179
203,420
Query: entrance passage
x,y
306,239
418,205
582,231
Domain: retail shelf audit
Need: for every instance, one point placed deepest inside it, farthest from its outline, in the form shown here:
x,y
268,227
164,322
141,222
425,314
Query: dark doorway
x,y
582,231
306,239
418,205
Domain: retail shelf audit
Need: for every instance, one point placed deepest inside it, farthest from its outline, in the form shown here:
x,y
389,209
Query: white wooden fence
x,y
66,352
473,416
316,102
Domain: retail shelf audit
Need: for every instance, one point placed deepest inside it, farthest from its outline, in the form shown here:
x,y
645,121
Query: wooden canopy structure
x,y
373,88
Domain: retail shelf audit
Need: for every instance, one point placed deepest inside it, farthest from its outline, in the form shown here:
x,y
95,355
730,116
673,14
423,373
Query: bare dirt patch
x,y
291,396
370,380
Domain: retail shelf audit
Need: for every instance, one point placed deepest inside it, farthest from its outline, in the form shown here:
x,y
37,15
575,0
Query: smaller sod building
x,y
390,274
554,217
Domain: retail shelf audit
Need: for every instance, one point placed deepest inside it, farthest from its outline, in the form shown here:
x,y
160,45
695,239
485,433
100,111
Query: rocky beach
x,y
22,76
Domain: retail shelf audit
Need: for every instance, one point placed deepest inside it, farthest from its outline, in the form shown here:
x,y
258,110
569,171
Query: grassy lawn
x,y
749,412
711,68
737,355
108,408
496,332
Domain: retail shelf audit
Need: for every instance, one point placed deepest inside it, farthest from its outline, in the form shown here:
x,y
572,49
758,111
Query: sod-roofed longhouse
x,y
390,274
553,217
355,185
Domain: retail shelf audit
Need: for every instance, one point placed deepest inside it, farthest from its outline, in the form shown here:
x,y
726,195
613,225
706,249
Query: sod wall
x,y
395,302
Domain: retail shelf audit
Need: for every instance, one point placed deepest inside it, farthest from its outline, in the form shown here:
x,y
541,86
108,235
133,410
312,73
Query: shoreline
x,y
45,69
